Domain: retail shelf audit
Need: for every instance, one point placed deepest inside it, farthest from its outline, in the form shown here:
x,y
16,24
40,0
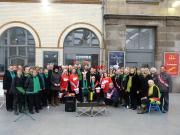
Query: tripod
x,y
25,113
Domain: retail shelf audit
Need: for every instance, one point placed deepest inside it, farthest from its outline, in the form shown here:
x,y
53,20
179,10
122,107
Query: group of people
x,y
37,87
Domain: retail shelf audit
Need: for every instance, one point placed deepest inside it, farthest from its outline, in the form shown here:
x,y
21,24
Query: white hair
x,y
153,69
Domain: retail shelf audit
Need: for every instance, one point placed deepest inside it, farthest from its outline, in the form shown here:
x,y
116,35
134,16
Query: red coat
x,y
74,79
105,84
64,82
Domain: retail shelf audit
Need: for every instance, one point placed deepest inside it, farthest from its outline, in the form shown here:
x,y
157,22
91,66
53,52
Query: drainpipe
x,y
103,55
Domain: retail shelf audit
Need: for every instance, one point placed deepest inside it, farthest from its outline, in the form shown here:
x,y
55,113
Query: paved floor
x,y
119,121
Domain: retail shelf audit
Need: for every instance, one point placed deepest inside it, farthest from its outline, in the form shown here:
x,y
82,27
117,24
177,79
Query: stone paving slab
x,y
118,121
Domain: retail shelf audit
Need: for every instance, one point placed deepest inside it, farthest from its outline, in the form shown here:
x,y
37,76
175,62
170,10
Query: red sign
x,y
171,62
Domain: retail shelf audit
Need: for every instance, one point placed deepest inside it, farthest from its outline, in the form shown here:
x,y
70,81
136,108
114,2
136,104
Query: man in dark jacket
x,y
164,82
7,86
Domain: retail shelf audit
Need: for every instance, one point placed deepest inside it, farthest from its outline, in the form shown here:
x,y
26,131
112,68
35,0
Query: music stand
x,y
25,113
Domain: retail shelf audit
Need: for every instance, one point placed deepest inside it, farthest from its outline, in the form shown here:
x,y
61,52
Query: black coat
x,y
144,84
25,77
117,81
18,82
135,83
7,80
55,79
155,93
47,82
123,82
29,84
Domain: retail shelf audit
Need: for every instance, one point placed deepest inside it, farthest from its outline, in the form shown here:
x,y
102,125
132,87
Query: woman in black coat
x,y
18,92
55,85
133,86
7,86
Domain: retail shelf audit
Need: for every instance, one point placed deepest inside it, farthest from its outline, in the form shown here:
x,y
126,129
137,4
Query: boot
x,y
16,110
56,102
52,101
142,110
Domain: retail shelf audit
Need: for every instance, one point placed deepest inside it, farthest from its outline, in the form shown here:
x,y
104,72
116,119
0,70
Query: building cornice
x,y
57,1
141,17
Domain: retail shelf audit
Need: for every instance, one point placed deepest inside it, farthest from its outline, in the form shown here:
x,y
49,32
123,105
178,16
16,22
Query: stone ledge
x,y
141,17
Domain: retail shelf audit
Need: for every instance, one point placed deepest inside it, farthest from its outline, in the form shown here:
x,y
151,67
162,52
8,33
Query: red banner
x,y
171,62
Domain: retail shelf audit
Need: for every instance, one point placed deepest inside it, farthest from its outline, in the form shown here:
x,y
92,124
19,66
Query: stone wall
x,y
122,7
167,35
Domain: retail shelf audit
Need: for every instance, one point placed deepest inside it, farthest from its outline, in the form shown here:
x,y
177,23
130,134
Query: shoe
x,y
37,111
31,112
128,107
16,113
164,111
21,111
141,111
9,110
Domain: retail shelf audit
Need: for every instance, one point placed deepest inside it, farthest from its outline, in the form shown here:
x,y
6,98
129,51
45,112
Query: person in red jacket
x,y
64,84
74,82
64,81
105,82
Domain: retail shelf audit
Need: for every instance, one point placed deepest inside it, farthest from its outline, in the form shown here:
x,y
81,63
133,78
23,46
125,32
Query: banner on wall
x,y
116,59
171,62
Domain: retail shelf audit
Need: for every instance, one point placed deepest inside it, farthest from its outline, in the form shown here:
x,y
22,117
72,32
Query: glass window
x,y
140,41
50,57
17,46
81,46
17,36
140,38
81,37
22,51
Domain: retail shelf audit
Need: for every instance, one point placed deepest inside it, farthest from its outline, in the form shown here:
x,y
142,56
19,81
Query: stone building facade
x,y
46,27
122,17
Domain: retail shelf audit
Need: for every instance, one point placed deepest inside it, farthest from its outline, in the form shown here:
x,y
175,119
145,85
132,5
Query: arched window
x,y
17,46
81,38
81,45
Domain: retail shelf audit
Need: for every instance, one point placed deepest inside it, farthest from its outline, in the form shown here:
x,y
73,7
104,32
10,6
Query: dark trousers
x,y
49,95
18,102
9,101
164,101
139,96
127,98
33,101
44,97
122,97
133,98
54,97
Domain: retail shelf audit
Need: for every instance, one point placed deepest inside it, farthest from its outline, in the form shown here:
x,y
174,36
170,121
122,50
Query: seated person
x,y
153,96
112,96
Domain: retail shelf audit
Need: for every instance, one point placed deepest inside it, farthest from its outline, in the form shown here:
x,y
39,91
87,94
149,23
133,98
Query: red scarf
x,y
162,81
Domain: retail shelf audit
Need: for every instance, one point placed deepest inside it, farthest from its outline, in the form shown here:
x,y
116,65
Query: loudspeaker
x,y
70,104
70,107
